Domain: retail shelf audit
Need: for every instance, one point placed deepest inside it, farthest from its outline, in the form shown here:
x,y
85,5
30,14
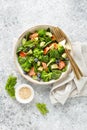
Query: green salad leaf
x,y
21,60
39,50
52,60
41,32
54,54
45,58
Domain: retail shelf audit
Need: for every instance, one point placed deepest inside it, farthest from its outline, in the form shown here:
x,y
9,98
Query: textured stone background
x,y
15,17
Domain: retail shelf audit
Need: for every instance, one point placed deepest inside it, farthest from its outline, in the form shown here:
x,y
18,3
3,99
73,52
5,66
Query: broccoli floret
x,y
45,58
61,49
37,52
40,57
26,62
46,76
30,60
52,60
26,66
56,74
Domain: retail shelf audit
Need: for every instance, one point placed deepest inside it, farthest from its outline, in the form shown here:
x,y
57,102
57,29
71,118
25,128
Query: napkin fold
x,y
69,86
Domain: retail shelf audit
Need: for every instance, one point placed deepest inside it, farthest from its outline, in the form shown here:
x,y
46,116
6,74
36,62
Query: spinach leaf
x,y
47,44
54,54
41,32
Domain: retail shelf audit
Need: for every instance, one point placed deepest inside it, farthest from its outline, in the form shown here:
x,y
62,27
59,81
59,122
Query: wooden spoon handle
x,y
75,67
74,63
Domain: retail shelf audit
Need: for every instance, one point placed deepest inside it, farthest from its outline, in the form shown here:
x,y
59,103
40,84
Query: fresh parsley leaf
x,y
9,87
42,108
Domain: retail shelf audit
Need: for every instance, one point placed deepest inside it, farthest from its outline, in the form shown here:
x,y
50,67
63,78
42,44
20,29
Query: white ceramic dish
x,y
18,65
19,99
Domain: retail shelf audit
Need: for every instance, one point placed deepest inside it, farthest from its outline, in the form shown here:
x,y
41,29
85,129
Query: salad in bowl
x,y
39,57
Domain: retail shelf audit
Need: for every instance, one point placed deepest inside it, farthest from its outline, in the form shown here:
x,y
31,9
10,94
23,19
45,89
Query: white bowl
x,y
19,99
18,65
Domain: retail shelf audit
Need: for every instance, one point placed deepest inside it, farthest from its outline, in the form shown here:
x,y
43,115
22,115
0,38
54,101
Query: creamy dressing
x,y
25,93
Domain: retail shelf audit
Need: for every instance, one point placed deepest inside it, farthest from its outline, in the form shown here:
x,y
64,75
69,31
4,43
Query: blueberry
x,y
28,49
57,61
38,75
36,60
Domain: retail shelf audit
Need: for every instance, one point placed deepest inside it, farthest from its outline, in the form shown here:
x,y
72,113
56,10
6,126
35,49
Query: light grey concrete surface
x,y
15,17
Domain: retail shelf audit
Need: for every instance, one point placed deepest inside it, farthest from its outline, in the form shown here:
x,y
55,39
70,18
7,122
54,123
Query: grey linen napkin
x,y
69,86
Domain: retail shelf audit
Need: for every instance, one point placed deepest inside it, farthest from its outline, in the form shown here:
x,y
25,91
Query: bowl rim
x,y
19,67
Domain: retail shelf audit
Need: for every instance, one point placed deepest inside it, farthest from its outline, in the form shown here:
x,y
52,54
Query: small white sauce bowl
x,y
19,99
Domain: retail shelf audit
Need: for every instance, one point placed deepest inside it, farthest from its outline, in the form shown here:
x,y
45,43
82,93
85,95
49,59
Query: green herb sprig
x,y
11,82
42,108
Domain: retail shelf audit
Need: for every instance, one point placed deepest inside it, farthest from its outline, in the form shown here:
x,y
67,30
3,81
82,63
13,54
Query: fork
x,y
60,37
